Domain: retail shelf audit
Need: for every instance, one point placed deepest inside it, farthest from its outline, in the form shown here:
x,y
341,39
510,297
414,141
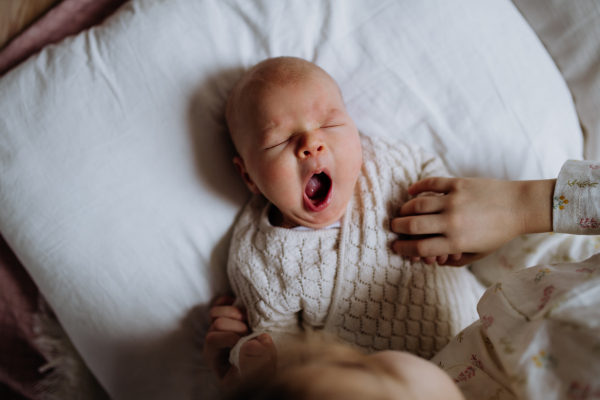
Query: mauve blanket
x,y
66,18
19,357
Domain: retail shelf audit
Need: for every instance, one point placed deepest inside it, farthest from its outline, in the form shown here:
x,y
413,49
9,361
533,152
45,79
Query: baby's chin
x,y
318,220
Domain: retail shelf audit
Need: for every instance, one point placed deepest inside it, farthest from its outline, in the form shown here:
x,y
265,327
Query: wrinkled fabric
x,y
538,334
538,337
117,190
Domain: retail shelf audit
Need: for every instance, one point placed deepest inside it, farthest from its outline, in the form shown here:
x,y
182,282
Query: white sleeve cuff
x,y
234,355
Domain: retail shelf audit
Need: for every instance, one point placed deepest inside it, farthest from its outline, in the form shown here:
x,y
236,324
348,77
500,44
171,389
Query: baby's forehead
x,y
246,100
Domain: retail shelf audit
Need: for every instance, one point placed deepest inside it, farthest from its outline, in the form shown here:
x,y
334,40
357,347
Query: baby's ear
x,y
241,169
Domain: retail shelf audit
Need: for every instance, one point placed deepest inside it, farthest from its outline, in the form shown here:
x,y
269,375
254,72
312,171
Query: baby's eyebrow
x,y
331,112
271,126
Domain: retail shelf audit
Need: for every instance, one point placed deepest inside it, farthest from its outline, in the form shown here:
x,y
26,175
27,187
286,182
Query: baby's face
x,y
300,149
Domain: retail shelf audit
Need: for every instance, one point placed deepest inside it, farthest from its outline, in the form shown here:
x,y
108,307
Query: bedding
x,y
116,188
537,338
66,18
17,15
20,358
571,33
570,30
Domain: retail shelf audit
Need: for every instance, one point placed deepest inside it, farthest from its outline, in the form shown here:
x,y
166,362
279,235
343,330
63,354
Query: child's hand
x,y
228,326
441,260
474,217
258,356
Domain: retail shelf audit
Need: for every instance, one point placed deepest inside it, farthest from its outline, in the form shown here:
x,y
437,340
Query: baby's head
x,y
296,143
334,372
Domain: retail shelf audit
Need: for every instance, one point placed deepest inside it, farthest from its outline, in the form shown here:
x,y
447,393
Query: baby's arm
x,y
227,328
268,313
474,217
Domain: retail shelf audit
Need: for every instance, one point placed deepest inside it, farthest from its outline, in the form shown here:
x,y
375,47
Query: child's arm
x,y
474,217
431,165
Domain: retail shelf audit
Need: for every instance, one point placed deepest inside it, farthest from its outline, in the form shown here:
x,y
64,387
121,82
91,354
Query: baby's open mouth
x,y
317,191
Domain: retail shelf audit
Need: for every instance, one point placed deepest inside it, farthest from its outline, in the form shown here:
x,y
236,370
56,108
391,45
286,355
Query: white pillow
x,y
570,30
116,186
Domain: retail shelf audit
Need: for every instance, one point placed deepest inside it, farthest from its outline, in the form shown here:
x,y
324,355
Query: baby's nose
x,y
309,145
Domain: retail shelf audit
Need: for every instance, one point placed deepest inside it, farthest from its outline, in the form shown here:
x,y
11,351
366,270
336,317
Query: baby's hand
x,y
258,356
474,217
228,326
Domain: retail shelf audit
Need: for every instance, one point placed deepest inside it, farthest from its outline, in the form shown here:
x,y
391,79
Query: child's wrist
x,y
535,205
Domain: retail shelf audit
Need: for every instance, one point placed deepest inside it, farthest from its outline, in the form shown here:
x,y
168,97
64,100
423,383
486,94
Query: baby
x,y
312,248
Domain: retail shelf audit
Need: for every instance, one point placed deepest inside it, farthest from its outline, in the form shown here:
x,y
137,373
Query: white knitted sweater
x,y
348,281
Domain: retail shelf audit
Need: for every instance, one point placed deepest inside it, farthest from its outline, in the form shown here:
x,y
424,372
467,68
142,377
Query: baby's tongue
x,y
313,187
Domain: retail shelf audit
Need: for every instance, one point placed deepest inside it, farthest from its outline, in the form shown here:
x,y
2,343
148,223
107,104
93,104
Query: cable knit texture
x,y
349,281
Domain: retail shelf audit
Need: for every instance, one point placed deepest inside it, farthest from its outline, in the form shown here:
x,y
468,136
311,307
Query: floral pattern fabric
x,y
538,336
576,201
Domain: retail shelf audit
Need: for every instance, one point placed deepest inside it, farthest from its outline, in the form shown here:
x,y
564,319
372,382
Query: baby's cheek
x,y
284,186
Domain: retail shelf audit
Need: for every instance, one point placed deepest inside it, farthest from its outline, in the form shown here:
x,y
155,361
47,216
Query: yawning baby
x,y
312,248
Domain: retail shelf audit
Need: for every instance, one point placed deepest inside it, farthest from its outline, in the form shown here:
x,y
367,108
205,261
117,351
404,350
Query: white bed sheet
x,y
116,187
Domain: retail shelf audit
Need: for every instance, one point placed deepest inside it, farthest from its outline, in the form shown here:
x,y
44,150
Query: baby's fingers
x,y
229,325
259,346
222,301
216,341
216,351
226,312
258,356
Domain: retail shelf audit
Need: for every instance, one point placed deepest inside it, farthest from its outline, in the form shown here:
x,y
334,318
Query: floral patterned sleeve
x,y
576,202
538,337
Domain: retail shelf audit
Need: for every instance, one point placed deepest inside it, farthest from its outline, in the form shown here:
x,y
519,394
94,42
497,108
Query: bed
x,y
116,190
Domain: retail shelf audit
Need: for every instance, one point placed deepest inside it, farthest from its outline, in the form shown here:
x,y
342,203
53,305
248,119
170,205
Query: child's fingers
x,y
229,325
428,260
428,247
455,257
436,184
226,312
441,259
445,259
466,258
423,205
419,225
